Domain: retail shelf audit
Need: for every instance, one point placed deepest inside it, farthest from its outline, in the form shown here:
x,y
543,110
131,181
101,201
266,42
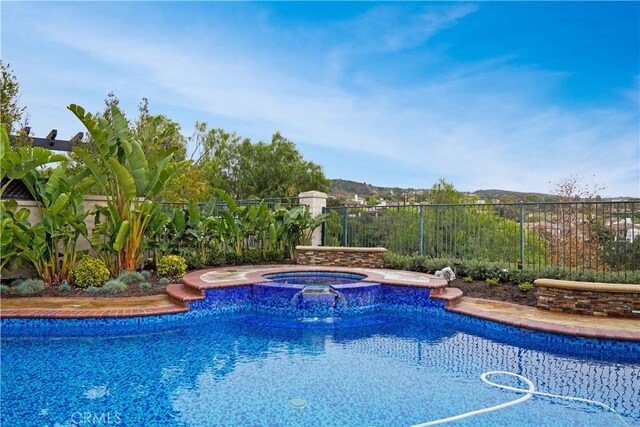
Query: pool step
x,y
450,295
184,294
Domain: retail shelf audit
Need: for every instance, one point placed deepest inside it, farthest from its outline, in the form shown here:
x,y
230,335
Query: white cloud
x,y
484,125
391,28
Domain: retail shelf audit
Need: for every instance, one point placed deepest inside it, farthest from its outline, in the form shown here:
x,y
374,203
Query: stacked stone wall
x,y
589,302
341,257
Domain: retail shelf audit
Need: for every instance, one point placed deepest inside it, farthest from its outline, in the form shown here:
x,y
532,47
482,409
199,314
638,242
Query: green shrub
x,y
492,281
16,282
30,287
396,261
92,290
481,269
468,279
172,266
519,276
65,287
232,258
146,274
275,255
216,258
194,260
144,286
417,263
129,277
4,289
114,287
431,265
631,278
164,281
525,287
251,256
503,274
90,271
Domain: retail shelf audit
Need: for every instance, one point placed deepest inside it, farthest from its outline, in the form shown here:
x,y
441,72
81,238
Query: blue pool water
x,y
315,278
388,368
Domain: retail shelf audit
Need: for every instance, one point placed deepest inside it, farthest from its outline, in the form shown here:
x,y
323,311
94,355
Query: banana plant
x,y
50,244
232,222
264,227
299,225
130,181
158,237
201,226
11,218
16,163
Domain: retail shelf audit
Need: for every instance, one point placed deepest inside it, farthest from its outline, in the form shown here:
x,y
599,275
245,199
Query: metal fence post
x,y
521,236
345,240
421,232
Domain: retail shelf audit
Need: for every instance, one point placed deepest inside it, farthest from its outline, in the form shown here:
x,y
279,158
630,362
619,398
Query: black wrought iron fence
x,y
271,203
600,236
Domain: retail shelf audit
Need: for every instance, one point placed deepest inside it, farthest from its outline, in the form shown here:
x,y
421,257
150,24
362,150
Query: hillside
x,y
346,189
507,194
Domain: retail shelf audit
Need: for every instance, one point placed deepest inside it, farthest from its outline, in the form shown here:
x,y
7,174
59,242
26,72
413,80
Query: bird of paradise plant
x,y
130,181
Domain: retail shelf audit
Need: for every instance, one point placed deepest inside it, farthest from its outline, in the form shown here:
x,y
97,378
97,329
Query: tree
x,y
372,200
443,192
576,240
158,132
11,113
220,159
254,170
572,189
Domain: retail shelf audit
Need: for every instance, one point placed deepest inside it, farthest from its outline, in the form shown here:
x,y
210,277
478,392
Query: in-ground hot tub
x,y
312,293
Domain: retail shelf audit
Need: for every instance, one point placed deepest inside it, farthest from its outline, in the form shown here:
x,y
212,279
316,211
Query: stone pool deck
x,y
69,308
627,329
195,283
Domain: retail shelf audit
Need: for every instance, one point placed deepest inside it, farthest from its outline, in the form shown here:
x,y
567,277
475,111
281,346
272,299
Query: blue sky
x,y
488,95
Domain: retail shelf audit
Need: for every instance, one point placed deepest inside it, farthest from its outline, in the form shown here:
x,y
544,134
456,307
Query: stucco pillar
x,y
316,200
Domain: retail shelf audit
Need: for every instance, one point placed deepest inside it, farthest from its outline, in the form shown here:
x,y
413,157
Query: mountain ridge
x,y
347,189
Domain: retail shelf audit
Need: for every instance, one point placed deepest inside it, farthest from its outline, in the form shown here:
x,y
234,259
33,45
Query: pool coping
x,y
256,274
103,307
544,326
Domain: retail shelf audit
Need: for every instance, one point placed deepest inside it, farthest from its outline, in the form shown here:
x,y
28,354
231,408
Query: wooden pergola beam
x,y
50,142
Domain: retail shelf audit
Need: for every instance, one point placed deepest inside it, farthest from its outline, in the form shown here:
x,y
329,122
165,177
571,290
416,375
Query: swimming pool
x,y
228,364
387,369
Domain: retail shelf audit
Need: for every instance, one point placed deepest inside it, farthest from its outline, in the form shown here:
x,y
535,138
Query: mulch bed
x,y
133,291
507,292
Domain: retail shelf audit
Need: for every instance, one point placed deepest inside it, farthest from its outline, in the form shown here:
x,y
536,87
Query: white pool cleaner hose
x,y
529,392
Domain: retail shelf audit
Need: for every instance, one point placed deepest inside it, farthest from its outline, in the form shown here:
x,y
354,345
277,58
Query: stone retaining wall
x,y
595,299
341,257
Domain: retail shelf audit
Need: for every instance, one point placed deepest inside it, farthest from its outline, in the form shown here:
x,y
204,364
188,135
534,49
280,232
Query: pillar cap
x,y
313,194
